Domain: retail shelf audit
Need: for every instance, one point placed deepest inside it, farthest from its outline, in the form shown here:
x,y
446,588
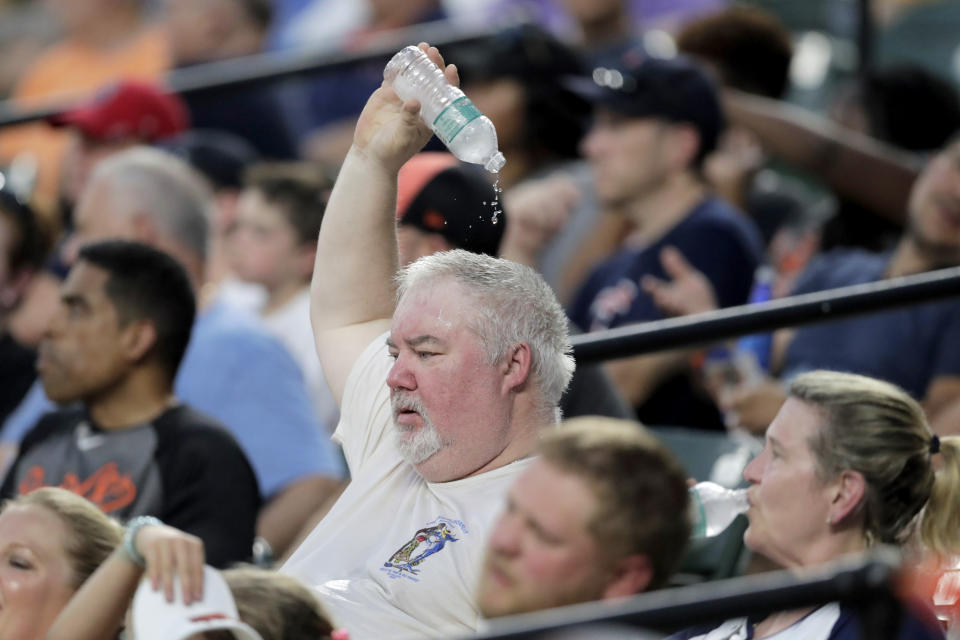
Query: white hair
x,y
513,304
163,187
415,446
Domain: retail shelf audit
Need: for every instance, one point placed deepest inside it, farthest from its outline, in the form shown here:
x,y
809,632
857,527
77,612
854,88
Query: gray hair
x,y
514,304
164,188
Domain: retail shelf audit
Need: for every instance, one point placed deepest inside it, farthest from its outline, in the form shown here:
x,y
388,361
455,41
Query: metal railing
x,y
866,584
706,328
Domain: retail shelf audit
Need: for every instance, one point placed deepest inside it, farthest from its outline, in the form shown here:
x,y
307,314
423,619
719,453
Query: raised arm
x,y
97,610
352,293
865,170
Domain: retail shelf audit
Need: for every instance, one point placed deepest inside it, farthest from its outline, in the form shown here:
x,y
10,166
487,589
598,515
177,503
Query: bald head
x,y
144,188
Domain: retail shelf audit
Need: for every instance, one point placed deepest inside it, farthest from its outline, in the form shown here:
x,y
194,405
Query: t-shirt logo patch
x,y
425,542
107,487
611,302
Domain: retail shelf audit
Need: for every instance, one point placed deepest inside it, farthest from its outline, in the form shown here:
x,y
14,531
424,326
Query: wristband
x,y
130,535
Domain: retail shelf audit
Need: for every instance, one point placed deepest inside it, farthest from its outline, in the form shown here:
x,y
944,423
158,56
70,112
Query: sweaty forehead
x,y
440,311
433,295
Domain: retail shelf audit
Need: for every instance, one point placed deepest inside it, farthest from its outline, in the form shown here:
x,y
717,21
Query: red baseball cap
x,y
128,109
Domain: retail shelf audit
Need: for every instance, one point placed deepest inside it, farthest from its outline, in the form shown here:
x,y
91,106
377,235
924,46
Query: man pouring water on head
x,y
445,374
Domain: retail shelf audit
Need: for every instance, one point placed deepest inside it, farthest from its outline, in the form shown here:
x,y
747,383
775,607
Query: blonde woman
x,y
849,462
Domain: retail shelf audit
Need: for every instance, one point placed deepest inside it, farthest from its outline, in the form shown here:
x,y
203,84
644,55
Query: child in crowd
x,y
278,218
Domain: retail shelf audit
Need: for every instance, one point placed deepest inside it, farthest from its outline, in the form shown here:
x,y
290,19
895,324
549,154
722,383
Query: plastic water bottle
x,y
713,507
451,115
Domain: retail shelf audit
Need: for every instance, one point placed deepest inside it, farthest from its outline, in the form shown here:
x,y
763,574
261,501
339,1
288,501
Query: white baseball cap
x,y
156,619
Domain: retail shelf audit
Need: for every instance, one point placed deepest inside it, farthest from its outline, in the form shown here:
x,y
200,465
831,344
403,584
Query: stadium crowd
x,y
275,365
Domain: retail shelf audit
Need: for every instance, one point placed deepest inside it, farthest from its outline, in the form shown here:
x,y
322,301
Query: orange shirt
x,y
71,70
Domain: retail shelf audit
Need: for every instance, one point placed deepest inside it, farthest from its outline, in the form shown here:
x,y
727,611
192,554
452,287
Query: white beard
x,y
415,446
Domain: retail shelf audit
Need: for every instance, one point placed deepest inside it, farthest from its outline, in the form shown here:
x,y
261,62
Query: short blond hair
x,y
640,488
278,606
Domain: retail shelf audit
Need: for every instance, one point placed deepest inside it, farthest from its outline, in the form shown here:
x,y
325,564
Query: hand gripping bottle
x,y
451,115
713,507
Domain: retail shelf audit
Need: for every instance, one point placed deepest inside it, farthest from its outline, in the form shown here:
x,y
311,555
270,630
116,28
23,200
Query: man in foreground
x,y
601,513
445,377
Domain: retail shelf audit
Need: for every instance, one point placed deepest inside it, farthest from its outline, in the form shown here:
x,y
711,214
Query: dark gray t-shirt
x,y
181,467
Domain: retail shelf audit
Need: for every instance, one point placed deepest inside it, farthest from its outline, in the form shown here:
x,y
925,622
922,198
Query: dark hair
x,y
555,118
147,284
28,250
749,47
640,487
910,107
300,189
220,156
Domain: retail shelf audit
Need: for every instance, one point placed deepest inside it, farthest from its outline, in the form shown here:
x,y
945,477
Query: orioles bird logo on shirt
x,y
424,544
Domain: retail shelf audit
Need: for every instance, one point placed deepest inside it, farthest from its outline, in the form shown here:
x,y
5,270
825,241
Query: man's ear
x,y
847,494
631,575
138,337
516,366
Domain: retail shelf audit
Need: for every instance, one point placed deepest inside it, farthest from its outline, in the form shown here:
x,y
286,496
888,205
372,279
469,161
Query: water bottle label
x,y
455,117
700,518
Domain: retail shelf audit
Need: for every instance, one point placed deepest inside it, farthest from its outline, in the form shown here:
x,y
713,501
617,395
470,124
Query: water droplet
x,y
496,202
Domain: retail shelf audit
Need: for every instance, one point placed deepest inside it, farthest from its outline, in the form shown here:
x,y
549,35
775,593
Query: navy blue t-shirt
x,y
909,346
720,242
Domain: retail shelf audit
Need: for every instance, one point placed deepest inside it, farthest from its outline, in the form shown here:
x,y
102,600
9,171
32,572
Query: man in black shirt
x,y
114,346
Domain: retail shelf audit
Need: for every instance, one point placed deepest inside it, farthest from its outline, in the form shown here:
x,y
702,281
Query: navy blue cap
x,y
674,89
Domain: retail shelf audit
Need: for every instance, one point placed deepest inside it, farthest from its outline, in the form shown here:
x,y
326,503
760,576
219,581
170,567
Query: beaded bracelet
x,y
130,535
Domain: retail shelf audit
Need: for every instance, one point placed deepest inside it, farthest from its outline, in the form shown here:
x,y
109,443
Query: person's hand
x,y
170,552
688,291
754,405
390,130
537,210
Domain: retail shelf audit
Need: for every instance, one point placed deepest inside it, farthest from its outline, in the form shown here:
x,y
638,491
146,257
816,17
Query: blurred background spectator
x,y
207,31
822,149
100,41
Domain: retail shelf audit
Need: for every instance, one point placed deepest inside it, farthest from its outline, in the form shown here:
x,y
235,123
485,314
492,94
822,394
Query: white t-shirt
x,y
291,325
397,556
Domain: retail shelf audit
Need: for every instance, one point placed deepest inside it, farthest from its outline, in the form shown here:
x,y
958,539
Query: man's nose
x,y
400,376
